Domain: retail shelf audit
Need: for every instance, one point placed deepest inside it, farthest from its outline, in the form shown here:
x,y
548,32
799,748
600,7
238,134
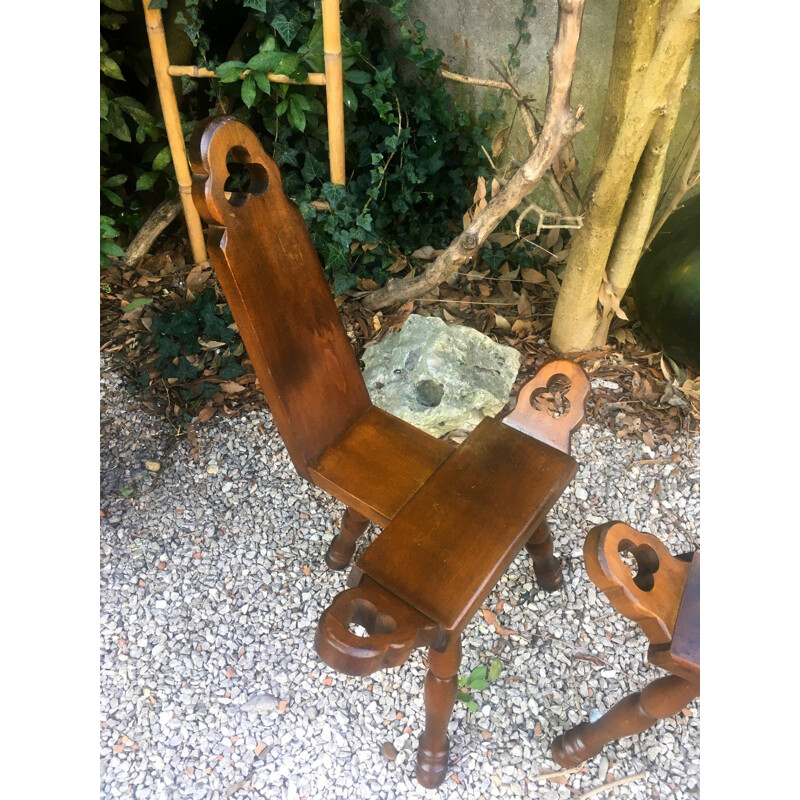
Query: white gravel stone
x,y
197,655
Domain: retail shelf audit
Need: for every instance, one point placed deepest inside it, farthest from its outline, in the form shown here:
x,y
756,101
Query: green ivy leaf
x,y
286,28
110,67
258,5
265,61
249,90
110,248
479,673
296,115
300,100
135,110
162,159
114,181
229,369
262,81
495,668
137,303
122,5
280,109
146,181
116,124
268,44
313,169
357,76
229,71
349,97
315,41
342,282
291,65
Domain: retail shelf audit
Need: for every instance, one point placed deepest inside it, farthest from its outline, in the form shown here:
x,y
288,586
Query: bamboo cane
x,y
172,121
334,90
313,79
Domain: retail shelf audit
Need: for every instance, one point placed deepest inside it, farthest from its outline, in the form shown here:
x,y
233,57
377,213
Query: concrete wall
x,y
469,31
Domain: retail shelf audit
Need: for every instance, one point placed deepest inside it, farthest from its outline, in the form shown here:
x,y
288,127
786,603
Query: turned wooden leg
x,y
633,714
546,566
343,546
441,685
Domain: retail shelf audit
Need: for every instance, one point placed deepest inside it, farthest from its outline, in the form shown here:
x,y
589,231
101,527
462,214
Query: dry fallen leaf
x,y
388,750
205,414
426,253
491,618
231,387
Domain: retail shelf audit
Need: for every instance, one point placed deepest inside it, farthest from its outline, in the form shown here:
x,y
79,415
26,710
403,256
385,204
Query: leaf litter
x,y
637,391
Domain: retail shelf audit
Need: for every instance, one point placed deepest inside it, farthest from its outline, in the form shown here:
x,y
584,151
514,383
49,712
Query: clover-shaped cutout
x,y
644,558
552,398
245,177
365,620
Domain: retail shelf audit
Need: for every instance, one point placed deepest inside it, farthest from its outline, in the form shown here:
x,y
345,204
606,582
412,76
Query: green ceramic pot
x,y
666,286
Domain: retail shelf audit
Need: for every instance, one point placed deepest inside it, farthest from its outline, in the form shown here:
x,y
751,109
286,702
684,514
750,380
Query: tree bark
x,y
560,125
638,214
687,182
150,231
576,316
634,41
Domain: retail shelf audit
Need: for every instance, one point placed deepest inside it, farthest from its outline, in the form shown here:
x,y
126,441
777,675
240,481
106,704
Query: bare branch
x,y
151,230
688,180
561,124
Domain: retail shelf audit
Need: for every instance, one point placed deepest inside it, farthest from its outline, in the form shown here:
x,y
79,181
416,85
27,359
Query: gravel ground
x,y
212,581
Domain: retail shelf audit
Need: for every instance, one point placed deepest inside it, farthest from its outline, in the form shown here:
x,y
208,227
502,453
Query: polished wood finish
x,y
664,599
441,688
274,283
565,387
452,541
378,464
453,518
392,630
341,549
546,566
633,714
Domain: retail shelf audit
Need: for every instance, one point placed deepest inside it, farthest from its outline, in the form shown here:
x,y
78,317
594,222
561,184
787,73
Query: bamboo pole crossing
x,y
331,79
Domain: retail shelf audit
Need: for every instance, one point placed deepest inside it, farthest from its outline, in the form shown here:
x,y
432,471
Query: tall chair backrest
x,y
271,275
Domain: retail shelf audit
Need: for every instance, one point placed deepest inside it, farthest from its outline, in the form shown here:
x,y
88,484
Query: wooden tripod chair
x,y
453,518
664,599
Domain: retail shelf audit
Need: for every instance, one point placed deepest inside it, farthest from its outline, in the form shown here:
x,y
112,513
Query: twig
x,y
454,76
548,776
530,127
561,124
618,782
688,180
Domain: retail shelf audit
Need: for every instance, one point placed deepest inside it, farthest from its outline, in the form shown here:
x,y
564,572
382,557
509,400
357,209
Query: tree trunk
x,y
634,41
576,317
638,215
560,125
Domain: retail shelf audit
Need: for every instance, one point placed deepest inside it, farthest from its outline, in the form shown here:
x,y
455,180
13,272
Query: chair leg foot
x,y
341,549
633,714
546,566
441,686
